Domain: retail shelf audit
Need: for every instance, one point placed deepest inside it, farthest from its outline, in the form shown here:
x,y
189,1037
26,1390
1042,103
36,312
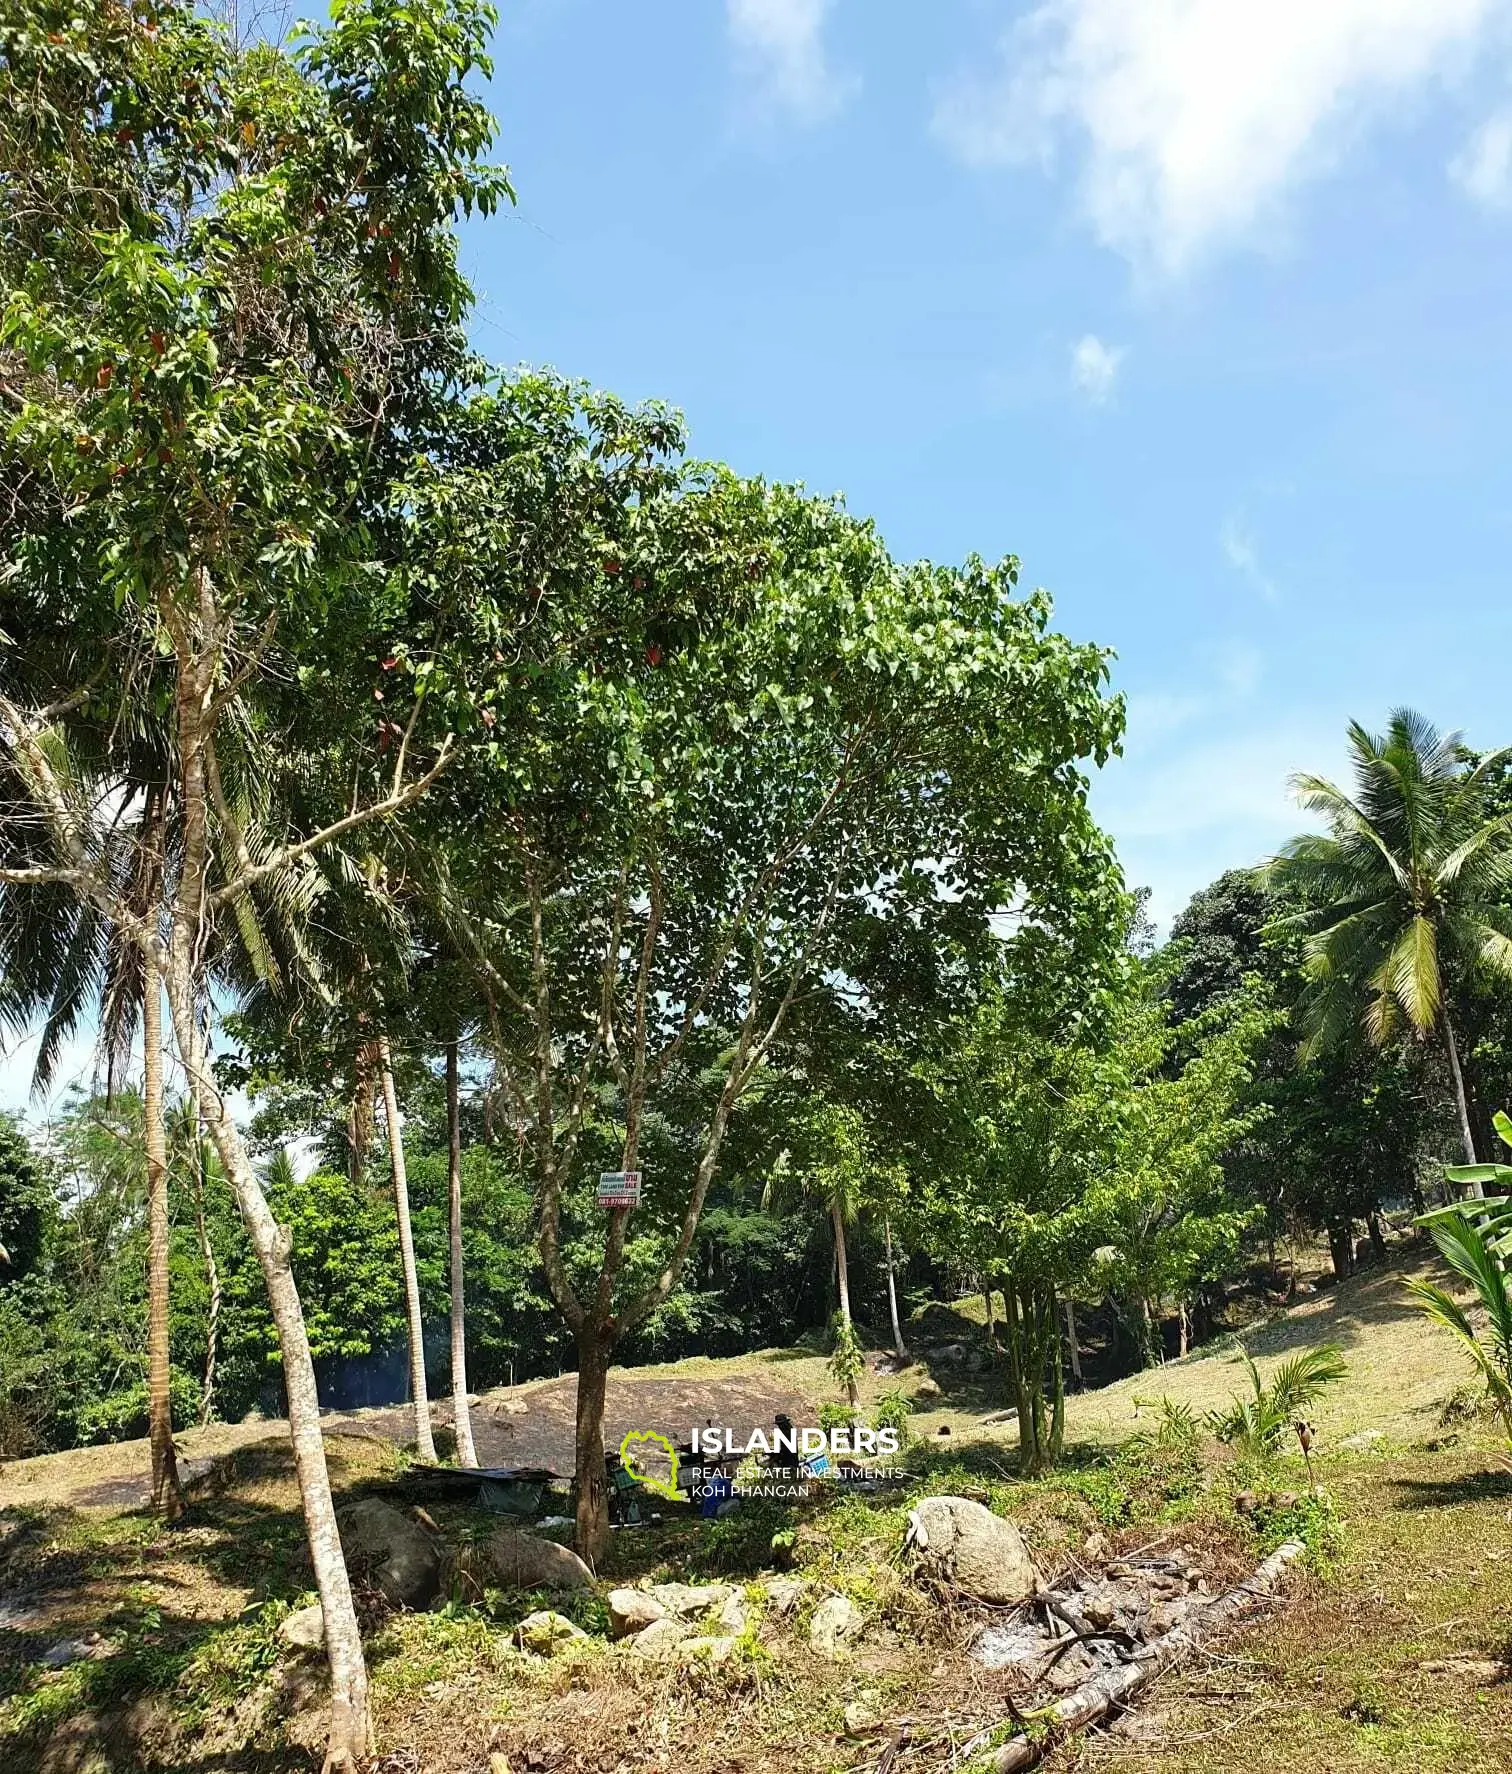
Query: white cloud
x,y
1213,793
1242,554
1483,167
781,44
1194,117
1094,368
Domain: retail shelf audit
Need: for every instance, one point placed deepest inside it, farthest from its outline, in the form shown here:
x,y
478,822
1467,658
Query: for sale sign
x,y
619,1188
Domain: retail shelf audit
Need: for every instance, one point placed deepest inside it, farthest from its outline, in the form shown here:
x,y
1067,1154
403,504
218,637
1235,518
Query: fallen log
x,y
1114,1688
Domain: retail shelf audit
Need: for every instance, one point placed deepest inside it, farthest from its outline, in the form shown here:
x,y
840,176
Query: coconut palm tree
x,y
1404,890
66,963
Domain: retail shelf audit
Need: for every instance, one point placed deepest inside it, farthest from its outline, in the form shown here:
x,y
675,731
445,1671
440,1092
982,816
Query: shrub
x,y
1257,1424
893,1411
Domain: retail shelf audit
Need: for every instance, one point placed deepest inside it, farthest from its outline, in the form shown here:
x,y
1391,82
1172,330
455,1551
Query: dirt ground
x,y
529,1425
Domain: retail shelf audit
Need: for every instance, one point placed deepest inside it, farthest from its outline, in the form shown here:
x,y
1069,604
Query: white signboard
x,y
619,1188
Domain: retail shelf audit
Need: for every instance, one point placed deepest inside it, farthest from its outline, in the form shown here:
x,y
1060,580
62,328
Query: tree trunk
x,y
424,1441
592,1537
1186,1330
166,1492
1151,1353
842,1276
1057,1381
1451,1048
1341,1249
1377,1234
899,1348
461,1418
212,1276
351,1734
991,1318
1071,1345
359,1127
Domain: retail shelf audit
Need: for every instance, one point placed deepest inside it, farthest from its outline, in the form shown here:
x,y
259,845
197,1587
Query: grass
x,y
1379,1659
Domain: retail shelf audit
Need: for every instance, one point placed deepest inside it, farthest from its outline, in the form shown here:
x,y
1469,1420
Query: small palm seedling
x,y
1475,1239
1258,1424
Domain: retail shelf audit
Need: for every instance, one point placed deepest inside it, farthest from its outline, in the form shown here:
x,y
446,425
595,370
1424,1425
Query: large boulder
x,y
959,1543
631,1611
517,1560
388,1549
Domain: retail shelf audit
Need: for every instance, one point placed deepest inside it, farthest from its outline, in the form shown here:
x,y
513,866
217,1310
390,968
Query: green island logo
x,y
641,1440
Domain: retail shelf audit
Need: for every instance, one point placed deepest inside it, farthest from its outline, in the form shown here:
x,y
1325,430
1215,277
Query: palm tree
x,y
1409,876
65,961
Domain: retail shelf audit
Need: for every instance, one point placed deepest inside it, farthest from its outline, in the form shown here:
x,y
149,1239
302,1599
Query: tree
x,y
1162,1203
1408,877
811,741
1474,1241
230,291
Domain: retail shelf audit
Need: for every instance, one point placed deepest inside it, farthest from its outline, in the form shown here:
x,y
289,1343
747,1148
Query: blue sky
x,y
1198,306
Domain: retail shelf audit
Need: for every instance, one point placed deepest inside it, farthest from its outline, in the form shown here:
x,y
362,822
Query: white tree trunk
x,y
351,1733
461,1416
899,1349
842,1276
167,1494
424,1440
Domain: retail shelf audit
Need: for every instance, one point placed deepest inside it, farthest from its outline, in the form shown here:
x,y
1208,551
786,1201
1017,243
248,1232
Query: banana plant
x,y
1475,1238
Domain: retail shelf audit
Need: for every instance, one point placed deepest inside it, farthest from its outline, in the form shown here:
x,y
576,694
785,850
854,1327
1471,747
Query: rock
x,y
836,1621
927,1390
546,1633
705,1649
965,1545
685,1599
784,1593
1099,1610
1247,1502
732,1616
659,1640
526,1561
1164,1615
498,1762
77,1650
400,1557
1071,1670
631,1611
1097,1547
859,1716
1367,1438
304,1628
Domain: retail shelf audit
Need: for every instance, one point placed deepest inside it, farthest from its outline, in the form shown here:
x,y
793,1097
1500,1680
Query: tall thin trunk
x,y
991,1317
899,1348
167,1494
842,1277
461,1417
1451,1048
351,1734
1071,1343
1185,1322
424,1440
592,1537
212,1278
1150,1352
